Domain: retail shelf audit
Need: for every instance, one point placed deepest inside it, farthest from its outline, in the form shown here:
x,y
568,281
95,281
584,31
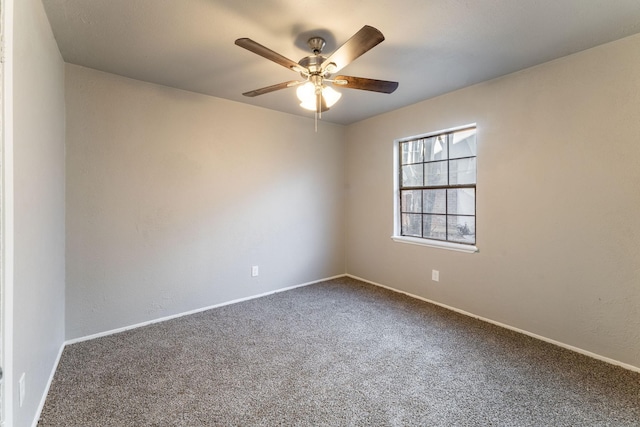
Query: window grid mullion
x,y
424,177
439,187
446,214
446,192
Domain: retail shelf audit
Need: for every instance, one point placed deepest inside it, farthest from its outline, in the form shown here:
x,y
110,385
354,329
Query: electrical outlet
x,y
435,275
254,271
21,389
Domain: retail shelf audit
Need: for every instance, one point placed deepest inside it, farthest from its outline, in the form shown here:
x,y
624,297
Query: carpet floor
x,y
336,353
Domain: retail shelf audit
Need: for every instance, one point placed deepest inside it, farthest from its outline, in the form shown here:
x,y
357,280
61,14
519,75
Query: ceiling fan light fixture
x,y
307,95
306,91
309,104
330,96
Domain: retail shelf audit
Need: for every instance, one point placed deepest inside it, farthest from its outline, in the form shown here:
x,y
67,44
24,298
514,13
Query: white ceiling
x,y
431,47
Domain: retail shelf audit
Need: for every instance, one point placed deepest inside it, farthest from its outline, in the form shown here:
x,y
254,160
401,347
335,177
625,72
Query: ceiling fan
x,y
317,70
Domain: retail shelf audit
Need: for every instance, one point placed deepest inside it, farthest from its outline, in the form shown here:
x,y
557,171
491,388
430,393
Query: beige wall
x,y
172,196
558,229
38,206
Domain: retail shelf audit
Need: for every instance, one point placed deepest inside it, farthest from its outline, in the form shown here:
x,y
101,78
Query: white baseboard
x,y
46,389
512,328
187,313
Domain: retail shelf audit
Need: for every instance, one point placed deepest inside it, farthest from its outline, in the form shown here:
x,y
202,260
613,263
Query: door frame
x,y
6,213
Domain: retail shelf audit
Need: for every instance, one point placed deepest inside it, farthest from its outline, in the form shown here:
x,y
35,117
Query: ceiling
x,y
431,47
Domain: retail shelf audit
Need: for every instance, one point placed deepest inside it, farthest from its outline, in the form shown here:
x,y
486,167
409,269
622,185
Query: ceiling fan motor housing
x,y
312,63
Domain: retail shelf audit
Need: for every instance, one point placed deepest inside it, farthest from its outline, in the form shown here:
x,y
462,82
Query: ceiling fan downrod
x,y
316,44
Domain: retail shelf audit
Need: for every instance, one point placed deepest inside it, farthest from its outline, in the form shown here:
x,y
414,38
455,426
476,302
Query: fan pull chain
x,y
318,107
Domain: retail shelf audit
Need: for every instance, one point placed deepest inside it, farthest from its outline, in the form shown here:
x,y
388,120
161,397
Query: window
x,y
436,190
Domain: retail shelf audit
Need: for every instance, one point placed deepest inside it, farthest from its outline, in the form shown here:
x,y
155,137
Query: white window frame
x,y
397,234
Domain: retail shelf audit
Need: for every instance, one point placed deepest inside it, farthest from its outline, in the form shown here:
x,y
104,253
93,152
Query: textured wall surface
x,y
38,205
172,196
557,201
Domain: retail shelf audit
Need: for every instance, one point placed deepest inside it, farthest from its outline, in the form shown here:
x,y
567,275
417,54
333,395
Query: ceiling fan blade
x,y
382,86
272,88
359,43
265,52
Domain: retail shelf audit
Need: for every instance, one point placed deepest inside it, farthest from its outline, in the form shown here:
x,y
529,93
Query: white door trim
x,y
6,214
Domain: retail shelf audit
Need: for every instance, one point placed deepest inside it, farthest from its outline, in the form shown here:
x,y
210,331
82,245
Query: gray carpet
x,y
336,353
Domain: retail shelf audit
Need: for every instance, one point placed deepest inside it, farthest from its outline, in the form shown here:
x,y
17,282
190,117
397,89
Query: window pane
x,y
434,201
463,144
411,225
462,171
461,201
435,148
435,173
412,175
412,201
435,227
462,229
411,152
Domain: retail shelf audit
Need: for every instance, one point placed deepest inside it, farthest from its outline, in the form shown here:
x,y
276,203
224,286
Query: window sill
x,y
436,244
